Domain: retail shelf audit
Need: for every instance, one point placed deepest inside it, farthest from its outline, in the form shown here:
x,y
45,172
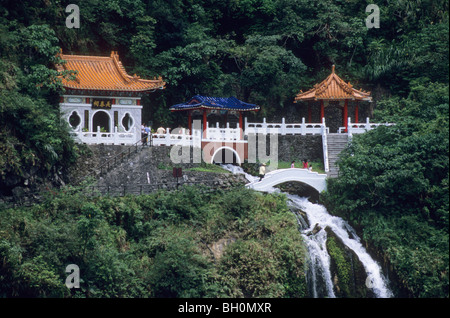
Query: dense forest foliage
x,y
393,183
156,245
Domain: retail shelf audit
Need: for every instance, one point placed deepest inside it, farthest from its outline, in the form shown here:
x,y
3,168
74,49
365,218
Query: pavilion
x,y
207,106
103,103
332,91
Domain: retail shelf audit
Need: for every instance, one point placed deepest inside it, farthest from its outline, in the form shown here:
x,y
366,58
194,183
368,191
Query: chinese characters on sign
x,y
101,103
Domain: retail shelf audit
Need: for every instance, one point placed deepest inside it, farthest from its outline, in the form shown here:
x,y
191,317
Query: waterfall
x,y
313,232
317,214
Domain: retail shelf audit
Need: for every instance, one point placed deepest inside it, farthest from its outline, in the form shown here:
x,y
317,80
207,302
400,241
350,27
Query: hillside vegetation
x,y
158,245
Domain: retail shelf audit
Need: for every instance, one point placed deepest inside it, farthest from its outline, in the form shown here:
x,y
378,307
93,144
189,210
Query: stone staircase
x,y
335,143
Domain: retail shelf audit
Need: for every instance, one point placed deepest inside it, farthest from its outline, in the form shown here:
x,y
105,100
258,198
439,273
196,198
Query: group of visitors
x,y
178,131
305,164
262,168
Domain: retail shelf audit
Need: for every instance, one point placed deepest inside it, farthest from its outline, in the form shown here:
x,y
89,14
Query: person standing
x,y
262,171
147,131
305,164
160,130
293,164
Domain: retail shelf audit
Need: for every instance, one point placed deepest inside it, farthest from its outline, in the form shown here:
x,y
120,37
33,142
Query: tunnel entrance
x,y
226,155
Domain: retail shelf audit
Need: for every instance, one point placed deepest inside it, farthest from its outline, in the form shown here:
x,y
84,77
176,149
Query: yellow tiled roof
x,y
333,88
104,73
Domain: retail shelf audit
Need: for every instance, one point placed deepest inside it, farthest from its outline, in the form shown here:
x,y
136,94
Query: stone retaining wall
x,y
296,147
152,165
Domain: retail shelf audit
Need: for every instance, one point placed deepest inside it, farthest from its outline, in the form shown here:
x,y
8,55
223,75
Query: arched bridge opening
x,y
301,189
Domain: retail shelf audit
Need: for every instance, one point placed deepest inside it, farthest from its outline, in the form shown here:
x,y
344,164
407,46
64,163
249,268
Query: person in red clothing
x,y
305,164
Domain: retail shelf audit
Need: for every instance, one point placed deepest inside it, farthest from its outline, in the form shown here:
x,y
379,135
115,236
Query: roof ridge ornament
x,y
332,88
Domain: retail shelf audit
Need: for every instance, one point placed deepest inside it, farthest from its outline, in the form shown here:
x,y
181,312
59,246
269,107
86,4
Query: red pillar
x,y
356,112
190,122
241,129
309,113
322,110
345,115
204,123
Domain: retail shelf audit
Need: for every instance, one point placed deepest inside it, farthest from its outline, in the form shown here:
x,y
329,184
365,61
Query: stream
x,y
312,228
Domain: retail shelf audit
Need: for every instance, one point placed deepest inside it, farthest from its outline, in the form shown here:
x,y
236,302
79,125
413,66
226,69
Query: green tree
x,y
398,178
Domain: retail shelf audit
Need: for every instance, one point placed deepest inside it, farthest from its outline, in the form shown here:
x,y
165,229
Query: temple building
x,y
333,91
103,103
227,112
222,127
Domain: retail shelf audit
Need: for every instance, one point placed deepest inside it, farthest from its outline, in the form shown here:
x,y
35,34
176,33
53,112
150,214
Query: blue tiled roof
x,y
223,103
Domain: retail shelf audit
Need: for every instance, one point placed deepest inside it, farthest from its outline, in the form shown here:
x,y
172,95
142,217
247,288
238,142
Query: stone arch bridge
x,y
273,178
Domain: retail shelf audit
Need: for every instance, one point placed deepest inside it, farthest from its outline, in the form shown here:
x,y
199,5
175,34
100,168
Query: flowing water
x,y
312,228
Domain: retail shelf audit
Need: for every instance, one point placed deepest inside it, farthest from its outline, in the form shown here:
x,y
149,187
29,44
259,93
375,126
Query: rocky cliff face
x,y
295,147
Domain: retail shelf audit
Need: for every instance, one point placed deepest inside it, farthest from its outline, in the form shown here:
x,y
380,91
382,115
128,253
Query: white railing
x,y
169,139
360,128
326,163
223,134
184,139
282,128
113,138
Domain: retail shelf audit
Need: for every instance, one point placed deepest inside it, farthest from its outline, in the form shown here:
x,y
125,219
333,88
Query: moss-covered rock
x,y
348,273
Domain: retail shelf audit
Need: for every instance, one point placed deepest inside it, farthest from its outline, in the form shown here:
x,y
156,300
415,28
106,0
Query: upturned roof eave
x,y
117,80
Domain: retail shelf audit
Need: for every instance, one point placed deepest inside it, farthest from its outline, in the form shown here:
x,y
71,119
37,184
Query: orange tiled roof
x,y
104,73
333,88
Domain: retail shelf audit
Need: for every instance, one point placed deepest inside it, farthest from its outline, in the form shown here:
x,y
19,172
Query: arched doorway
x,y
226,155
101,119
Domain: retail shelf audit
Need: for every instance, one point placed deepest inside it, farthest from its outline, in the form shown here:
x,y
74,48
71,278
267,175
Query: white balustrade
x,y
99,137
325,146
169,139
223,134
360,128
282,128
